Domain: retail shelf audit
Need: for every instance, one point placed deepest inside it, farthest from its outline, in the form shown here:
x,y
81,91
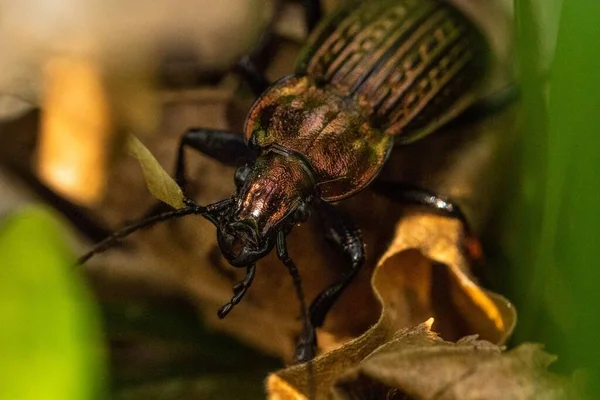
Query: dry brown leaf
x,y
424,274
158,181
418,364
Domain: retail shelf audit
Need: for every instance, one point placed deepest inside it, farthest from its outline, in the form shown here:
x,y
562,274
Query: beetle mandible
x,y
372,75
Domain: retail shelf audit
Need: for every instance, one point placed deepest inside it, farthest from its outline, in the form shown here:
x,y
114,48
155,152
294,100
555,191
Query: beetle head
x,y
273,195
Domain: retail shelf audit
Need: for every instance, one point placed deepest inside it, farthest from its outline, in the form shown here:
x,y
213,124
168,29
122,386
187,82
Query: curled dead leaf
x,y
426,273
417,364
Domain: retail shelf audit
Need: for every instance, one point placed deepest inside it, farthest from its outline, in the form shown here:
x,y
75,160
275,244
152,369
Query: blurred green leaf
x,y
572,213
49,341
558,219
530,188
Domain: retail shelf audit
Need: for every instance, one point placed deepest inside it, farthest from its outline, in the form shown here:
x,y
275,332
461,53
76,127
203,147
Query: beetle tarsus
x,y
239,291
238,287
305,351
224,310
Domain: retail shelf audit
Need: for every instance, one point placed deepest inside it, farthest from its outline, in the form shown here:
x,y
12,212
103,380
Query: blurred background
x,y
140,320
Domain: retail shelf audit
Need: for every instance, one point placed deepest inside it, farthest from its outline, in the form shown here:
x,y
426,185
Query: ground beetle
x,y
373,74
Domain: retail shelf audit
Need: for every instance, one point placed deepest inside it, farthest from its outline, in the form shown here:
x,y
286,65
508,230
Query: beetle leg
x,y
239,290
312,13
248,68
228,148
345,237
252,74
490,105
308,341
412,195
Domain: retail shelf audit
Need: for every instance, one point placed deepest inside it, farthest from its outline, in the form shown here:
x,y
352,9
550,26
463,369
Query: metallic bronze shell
x,y
331,133
412,65
276,186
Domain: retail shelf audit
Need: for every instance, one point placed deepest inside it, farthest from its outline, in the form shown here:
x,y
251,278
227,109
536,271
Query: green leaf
x,y
159,183
558,223
49,342
572,215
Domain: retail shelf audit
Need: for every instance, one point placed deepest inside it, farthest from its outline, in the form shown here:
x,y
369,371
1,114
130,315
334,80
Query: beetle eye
x,y
302,213
241,174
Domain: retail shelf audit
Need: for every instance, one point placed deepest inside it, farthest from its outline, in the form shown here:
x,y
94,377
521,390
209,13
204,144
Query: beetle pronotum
x,y
372,75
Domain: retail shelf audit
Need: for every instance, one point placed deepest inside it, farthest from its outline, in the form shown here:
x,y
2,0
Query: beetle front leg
x,y
308,341
346,238
239,291
229,148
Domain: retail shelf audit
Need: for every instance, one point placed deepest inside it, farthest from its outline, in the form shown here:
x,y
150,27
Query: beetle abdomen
x,y
410,64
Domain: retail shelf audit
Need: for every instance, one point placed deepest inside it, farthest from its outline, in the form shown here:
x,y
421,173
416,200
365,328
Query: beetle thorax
x,y
278,185
274,196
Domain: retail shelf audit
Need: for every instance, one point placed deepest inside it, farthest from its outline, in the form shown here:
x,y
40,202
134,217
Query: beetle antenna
x,y
128,230
192,208
308,338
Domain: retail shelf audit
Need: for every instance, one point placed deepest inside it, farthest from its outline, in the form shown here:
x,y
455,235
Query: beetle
x,y
373,74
